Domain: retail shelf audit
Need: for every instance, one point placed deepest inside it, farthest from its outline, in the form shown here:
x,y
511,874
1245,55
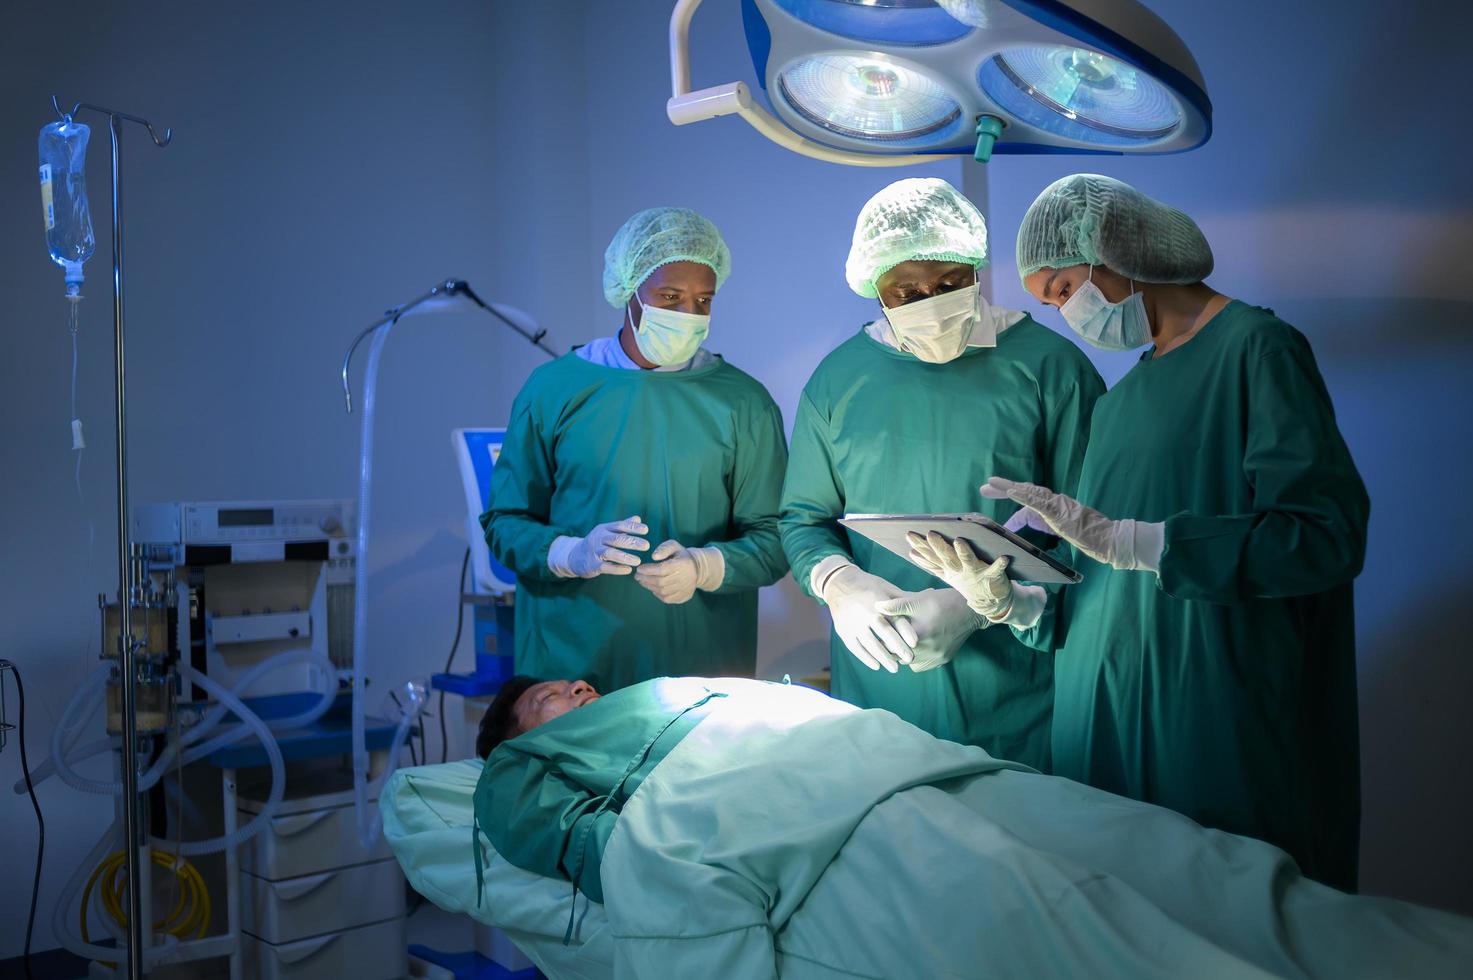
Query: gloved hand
x,y
1127,544
941,620
985,587
603,551
876,639
674,572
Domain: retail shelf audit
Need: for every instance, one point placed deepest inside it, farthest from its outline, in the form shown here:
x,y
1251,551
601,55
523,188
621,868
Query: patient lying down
x,y
548,801
766,829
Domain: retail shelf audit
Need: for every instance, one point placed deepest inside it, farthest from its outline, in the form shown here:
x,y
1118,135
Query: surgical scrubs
x,y
1224,690
698,454
879,431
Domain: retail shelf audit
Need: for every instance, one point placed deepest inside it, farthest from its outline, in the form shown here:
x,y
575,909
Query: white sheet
x,y
427,813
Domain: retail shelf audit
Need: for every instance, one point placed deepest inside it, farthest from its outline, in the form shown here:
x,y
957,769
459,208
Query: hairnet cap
x,y
1088,219
919,218
656,237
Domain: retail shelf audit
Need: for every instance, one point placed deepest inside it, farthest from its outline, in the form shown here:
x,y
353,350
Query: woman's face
x,y
1053,287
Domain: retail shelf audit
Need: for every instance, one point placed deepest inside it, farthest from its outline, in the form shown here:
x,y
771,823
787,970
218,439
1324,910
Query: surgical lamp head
x,y
896,82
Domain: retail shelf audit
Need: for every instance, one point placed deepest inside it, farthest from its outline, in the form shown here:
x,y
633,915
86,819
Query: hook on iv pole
x,y
113,113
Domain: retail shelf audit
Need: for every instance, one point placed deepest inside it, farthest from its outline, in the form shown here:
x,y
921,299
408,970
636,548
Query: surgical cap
x,y
656,237
1087,219
916,219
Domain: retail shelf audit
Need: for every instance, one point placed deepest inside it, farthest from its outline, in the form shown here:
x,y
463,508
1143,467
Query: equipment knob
x,y
330,525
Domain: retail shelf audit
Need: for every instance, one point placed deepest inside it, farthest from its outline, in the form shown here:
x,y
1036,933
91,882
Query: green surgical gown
x,y
1226,689
879,431
699,454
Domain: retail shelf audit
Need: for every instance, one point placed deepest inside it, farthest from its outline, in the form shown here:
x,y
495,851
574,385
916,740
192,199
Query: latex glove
x,y
984,586
942,622
674,572
1027,517
1129,545
603,551
877,640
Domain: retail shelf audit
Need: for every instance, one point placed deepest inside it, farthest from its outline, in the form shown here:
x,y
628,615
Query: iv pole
x,y
128,586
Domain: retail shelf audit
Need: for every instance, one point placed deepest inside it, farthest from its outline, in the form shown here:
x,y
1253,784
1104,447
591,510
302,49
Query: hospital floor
x,y
446,932
432,926
427,926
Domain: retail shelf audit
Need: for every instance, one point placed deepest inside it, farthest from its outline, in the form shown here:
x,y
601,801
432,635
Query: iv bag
x,y
69,238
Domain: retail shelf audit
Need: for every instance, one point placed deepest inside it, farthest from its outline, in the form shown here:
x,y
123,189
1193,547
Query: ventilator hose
x,y
273,754
69,757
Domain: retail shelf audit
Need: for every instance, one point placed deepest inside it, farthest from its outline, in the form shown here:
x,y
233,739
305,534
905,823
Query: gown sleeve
x,y
813,496
1306,532
754,557
542,820
516,525
1068,407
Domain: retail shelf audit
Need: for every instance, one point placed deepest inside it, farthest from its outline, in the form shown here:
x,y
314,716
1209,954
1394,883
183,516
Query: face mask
x,y
938,329
667,337
1107,325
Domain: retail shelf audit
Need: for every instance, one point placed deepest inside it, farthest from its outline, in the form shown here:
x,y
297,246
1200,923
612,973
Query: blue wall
x,y
332,160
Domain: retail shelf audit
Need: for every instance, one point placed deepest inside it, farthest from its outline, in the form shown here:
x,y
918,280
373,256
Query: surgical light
x,y
867,97
895,82
1080,93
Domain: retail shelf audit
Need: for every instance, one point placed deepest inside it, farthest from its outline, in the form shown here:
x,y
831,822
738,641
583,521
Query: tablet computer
x,y
988,538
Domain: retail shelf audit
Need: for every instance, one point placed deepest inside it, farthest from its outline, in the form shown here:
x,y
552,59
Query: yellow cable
x,y
192,908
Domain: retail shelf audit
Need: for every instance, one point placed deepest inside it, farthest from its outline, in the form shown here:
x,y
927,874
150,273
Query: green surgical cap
x,y
656,237
1087,219
919,218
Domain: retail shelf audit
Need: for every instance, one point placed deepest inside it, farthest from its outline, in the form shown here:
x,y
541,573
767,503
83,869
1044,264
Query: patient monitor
x,y
491,591
476,452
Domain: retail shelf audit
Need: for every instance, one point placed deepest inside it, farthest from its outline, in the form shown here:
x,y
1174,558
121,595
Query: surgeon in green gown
x,y
636,495
908,416
1208,658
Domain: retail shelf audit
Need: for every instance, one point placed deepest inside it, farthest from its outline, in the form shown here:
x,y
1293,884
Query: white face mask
x,y
667,337
1109,326
939,328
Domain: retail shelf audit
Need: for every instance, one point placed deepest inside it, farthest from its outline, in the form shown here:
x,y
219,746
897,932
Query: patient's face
x,y
543,702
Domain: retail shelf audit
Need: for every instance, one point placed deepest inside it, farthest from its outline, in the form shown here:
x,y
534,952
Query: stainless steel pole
x,y
129,577
126,589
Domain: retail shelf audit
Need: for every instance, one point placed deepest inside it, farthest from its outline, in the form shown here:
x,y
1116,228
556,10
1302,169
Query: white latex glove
x,y
876,639
674,572
941,620
603,551
1129,545
984,586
